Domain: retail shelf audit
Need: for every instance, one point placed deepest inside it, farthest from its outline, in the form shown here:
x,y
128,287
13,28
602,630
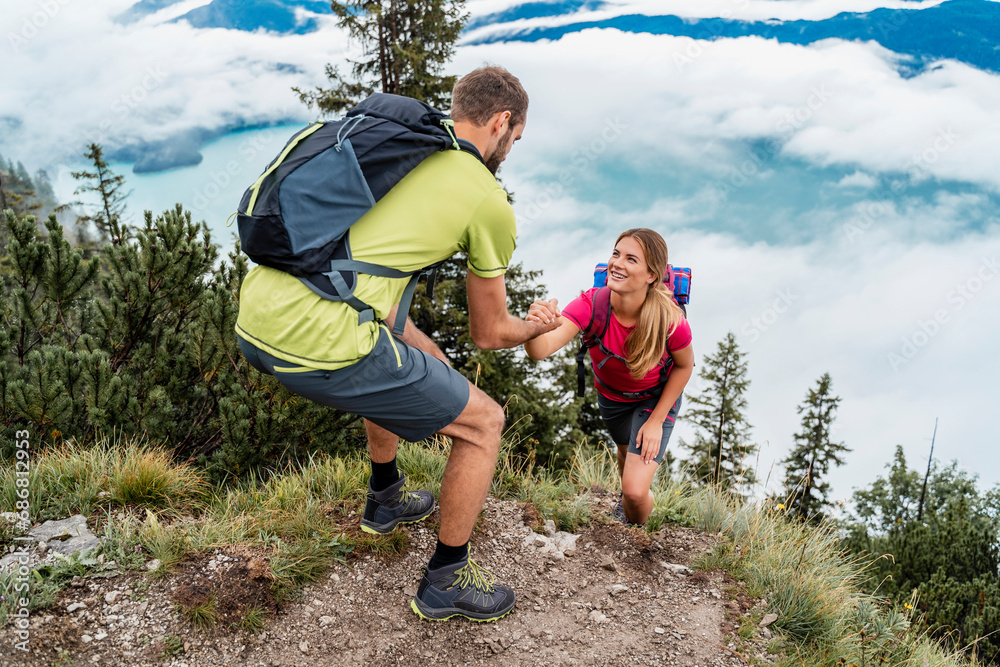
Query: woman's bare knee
x,y
634,494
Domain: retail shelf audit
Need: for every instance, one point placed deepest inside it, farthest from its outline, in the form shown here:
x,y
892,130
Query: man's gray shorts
x,y
400,388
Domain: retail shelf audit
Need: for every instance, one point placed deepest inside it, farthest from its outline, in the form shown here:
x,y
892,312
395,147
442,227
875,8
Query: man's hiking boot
x,y
461,589
387,509
618,513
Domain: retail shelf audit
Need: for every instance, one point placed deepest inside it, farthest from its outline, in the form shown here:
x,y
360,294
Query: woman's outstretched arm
x,y
542,346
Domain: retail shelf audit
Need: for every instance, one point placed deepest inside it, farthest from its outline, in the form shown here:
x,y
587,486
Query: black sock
x,y
384,475
445,555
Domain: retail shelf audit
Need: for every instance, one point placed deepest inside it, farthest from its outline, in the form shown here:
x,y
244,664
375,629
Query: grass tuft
x,y
167,544
149,478
203,614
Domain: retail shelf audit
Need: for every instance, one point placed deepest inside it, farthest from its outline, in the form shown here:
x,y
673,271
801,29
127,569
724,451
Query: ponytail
x,y
658,318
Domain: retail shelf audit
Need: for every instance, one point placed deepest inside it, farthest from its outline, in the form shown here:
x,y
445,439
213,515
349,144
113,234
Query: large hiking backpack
x,y
295,217
678,279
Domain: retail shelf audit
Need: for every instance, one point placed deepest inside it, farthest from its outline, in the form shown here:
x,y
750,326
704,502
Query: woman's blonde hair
x,y
659,314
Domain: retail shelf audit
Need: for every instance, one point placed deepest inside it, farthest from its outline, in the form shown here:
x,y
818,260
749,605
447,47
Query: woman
x,y
642,365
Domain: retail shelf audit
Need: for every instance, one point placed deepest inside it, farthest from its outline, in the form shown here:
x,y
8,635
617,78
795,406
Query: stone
x,y
325,621
618,589
597,617
66,536
112,596
768,620
550,527
101,635
153,564
10,563
658,630
608,563
76,606
675,568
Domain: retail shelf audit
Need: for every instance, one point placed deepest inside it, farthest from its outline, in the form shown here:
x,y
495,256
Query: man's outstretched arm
x,y
491,326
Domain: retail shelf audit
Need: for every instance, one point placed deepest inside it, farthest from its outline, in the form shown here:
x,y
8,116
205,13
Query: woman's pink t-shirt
x,y
614,373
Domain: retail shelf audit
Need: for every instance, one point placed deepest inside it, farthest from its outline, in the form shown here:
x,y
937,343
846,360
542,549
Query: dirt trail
x,y
612,602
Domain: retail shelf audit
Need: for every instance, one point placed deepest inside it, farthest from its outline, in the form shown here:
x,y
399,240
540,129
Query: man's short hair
x,y
486,91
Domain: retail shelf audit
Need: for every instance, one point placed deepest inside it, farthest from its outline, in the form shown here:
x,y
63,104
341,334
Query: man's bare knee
x,y
480,424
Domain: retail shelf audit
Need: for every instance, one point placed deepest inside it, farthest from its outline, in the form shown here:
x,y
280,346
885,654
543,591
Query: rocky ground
x,y
611,596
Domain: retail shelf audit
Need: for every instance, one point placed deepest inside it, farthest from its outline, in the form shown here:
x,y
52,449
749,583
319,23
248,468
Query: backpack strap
x,y
593,334
600,316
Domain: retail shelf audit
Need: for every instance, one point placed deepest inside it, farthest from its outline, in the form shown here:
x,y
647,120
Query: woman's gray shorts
x,y
402,389
624,419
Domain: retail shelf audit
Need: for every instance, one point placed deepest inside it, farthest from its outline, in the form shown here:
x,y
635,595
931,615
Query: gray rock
x,y
10,563
75,607
153,564
675,568
609,564
768,620
66,536
112,596
550,528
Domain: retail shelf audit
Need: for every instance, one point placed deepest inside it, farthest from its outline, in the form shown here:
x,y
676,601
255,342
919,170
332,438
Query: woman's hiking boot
x,y
618,513
387,509
461,589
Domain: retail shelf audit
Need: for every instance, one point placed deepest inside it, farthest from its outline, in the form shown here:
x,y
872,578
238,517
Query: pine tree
x,y
950,557
405,46
721,444
17,191
110,188
809,462
144,345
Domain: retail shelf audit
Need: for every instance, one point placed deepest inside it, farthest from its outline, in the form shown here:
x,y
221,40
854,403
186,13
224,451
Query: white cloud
x,y
858,179
834,103
82,77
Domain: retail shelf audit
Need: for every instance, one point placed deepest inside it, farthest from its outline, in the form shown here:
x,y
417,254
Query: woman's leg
x,y
637,476
637,498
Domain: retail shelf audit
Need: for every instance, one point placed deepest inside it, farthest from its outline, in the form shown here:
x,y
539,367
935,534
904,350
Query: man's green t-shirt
x,y
449,203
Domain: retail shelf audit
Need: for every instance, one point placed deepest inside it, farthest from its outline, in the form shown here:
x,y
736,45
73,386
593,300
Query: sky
x,y
837,206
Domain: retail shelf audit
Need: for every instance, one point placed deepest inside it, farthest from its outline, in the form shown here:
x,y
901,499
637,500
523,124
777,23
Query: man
x,y
404,387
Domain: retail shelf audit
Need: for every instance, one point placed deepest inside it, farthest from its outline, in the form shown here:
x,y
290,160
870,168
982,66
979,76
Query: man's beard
x,y
494,159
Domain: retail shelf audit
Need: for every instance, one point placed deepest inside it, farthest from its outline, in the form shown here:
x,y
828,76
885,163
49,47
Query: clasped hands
x,y
545,312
